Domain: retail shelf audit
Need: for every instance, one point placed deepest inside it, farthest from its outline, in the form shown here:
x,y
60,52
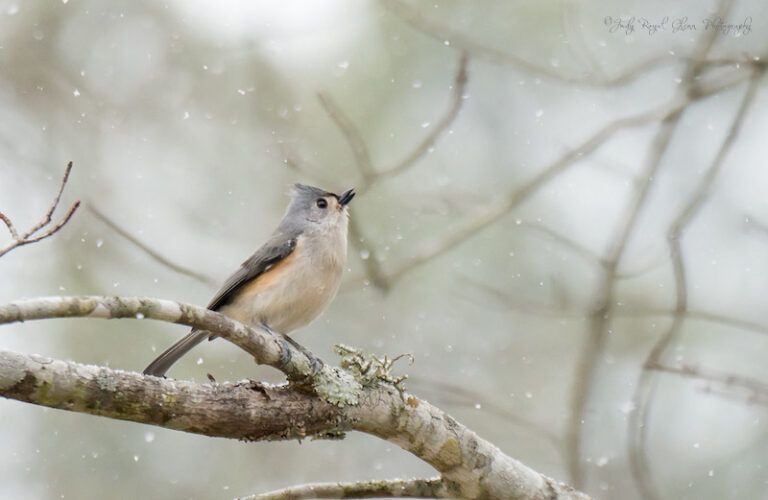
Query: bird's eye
x,y
322,203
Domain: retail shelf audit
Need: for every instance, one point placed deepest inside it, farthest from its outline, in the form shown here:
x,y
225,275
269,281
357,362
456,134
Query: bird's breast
x,y
295,291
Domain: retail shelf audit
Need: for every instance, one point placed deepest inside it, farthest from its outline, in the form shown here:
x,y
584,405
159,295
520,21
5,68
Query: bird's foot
x,y
315,363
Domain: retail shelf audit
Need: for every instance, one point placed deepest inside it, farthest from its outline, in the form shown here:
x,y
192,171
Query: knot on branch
x,y
369,369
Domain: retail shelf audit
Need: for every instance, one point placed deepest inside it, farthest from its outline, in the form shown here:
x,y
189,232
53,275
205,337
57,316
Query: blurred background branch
x,y
647,384
177,268
400,488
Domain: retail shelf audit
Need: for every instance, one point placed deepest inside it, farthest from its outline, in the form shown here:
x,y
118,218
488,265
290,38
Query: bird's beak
x,y
346,197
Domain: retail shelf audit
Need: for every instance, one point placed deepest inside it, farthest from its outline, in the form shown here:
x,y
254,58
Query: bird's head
x,y
319,207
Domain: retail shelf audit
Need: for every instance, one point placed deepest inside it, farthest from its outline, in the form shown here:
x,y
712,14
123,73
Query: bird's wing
x,y
272,252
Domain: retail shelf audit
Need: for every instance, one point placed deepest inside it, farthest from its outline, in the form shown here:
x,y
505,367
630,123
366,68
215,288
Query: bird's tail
x,y
162,363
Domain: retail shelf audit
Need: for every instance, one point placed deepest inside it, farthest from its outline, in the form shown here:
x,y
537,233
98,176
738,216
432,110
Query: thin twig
x,y
206,280
29,236
352,135
47,219
495,211
370,260
498,210
565,241
755,386
53,230
592,350
400,488
452,38
372,175
512,304
10,226
442,125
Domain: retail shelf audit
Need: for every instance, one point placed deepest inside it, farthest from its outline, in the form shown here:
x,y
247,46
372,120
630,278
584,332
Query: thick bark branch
x,y
326,403
266,348
401,488
240,411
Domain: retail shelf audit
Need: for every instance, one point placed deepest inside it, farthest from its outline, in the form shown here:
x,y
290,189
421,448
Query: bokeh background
x,y
187,122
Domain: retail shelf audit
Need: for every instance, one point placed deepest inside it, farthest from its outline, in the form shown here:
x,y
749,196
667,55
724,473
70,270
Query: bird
x,y
289,280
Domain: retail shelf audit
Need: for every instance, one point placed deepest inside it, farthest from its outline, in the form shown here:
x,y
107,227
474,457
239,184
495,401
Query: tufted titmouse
x,y
290,280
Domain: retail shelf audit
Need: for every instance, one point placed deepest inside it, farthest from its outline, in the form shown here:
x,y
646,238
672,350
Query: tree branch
x,y
353,136
206,280
336,401
400,488
755,386
457,99
238,411
513,304
371,175
638,425
29,236
266,348
497,210
592,350
494,212
446,35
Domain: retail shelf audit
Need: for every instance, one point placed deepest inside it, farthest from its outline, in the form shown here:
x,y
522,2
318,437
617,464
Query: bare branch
x,y
360,151
638,425
53,230
592,351
48,216
206,280
9,225
497,210
400,488
452,38
565,241
353,136
756,388
513,304
371,175
493,213
473,467
371,265
237,411
457,99
727,393
490,214
263,346
29,237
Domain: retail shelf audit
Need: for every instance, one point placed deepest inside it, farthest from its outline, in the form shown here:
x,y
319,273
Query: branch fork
x,y
31,235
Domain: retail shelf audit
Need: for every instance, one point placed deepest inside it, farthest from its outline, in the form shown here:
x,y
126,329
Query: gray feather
x,y
279,246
